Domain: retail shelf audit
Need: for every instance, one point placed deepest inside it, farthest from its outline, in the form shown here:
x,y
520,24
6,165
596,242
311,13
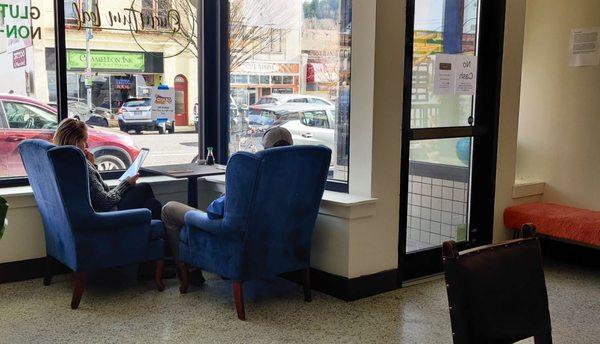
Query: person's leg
x,y
140,196
173,216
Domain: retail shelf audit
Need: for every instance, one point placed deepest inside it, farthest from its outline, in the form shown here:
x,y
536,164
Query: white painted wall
x,y
509,113
559,122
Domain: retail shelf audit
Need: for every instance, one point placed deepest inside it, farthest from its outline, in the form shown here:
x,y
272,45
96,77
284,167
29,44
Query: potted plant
x,y
3,220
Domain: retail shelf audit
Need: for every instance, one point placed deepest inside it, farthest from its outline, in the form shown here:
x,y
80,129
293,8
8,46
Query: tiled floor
x,y
128,312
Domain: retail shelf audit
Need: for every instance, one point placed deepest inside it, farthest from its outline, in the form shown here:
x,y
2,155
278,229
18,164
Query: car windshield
x,y
78,107
137,103
266,100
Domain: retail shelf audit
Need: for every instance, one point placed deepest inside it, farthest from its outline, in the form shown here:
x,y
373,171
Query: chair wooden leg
x,y
306,285
78,287
160,265
238,298
545,338
48,271
184,278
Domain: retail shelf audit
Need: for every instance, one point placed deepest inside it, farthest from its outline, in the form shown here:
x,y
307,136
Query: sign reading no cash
x,y
455,74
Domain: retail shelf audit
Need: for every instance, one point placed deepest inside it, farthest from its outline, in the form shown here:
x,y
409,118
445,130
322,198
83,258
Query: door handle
x,y
307,135
16,138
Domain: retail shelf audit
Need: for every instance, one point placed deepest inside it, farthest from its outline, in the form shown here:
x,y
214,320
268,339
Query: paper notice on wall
x,y
585,47
455,74
444,76
466,75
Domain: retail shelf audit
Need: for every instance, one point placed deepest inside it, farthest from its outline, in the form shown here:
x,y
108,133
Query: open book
x,y
136,165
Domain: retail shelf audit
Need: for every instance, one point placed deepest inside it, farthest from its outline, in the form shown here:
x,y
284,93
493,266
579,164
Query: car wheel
x,y
161,130
104,122
171,129
138,132
110,162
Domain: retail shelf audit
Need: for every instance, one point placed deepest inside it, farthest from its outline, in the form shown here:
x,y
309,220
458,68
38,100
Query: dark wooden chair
x,y
497,293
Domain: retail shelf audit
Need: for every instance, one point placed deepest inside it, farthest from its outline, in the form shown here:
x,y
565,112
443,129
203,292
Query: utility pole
x,y
88,58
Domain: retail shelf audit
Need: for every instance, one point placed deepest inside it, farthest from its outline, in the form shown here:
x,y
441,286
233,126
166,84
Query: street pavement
x,y
166,149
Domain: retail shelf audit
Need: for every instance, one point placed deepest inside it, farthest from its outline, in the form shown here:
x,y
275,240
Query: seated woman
x,y
127,195
173,213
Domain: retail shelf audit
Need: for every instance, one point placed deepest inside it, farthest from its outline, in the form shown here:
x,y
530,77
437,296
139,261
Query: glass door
x,y
449,129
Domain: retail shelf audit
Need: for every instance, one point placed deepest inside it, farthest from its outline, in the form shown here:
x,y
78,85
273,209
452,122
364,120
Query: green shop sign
x,y
107,60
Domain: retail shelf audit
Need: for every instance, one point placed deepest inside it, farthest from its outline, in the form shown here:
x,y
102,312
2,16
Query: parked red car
x,y
23,118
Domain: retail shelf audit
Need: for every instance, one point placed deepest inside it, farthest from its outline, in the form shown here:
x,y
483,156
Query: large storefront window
x,y
122,58
27,90
290,67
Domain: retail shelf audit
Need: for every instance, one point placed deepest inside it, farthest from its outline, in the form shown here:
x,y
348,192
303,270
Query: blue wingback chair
x,y
76,235
271,205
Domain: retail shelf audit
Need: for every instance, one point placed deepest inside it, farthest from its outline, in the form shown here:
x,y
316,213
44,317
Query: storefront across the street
x,y
115,75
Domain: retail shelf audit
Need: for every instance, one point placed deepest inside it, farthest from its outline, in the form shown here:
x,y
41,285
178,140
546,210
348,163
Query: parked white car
x,y
280,99
136,114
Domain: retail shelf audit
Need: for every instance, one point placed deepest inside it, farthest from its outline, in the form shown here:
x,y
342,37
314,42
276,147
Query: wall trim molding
x,y
347,289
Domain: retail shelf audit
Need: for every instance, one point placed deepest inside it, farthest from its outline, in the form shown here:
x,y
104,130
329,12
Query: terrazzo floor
x,y
127,311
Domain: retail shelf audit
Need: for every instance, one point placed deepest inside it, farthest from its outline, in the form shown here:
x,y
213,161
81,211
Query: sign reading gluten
x,y
18,20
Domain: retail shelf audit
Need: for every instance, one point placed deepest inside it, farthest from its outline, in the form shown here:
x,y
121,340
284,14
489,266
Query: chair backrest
x,y
59,179
274,197
497,293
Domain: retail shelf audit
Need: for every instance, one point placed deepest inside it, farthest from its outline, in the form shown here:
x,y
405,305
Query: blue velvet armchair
x,y
76,235
271,205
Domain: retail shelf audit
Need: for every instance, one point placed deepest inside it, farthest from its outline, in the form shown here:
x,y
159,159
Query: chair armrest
x,y
199,220
118,219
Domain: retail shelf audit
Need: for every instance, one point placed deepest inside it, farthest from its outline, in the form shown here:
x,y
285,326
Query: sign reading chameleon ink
x,y
108,60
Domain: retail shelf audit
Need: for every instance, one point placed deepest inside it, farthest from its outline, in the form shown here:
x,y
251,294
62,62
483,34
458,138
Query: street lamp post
x,y
88,58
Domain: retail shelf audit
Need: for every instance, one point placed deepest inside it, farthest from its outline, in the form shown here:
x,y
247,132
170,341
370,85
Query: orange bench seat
x,y
557,221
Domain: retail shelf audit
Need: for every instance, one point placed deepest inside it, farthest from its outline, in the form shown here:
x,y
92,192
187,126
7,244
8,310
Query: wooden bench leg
x,y
515,234
238,298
